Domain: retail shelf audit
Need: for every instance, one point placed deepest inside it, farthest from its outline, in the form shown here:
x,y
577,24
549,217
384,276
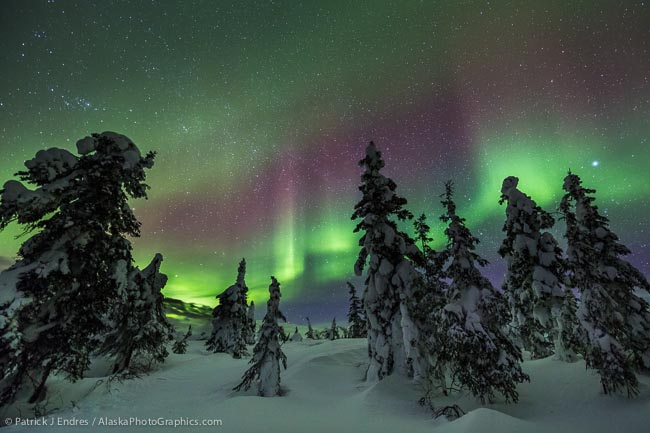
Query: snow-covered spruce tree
x,y
267,355
230,322
615,321
479,355
247,329
180,345
138,326
55,299
393,338
552,274
427,307
356,322
250,320
310,331
533,279
333,332
296,337
523,225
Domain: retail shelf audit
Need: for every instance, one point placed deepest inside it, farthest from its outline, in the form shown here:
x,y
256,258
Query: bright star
x,y
594,163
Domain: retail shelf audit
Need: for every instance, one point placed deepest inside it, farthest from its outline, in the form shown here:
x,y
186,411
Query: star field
x,y
259,112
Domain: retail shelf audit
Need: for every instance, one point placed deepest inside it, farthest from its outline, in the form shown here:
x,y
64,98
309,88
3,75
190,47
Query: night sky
x,y
259,112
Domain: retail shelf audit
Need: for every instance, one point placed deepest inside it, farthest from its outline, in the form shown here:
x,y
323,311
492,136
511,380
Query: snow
x,y
385,268
132,158
11,301
488,420
122,141
130,152
389,234
52,162
120,275
8,280
86,145
325,378
53,261
14,191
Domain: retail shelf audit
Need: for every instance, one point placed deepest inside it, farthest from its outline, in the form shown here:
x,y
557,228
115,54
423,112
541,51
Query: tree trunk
x,y
124,362
41,386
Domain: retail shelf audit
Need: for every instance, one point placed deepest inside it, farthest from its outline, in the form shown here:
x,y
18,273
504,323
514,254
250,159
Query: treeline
x,y
434,317
75,293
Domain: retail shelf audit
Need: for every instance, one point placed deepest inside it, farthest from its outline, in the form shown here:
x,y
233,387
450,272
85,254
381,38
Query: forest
x,y
75,293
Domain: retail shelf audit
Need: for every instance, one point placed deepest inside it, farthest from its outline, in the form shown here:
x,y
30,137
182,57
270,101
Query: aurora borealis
x,y
259,112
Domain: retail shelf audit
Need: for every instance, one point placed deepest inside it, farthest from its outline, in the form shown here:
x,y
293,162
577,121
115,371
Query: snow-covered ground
x,y
324,392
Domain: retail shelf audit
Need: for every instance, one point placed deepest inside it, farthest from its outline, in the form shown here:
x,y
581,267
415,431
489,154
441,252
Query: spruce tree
x,y
57,298
267,355
390,279
180,345
615,321
479,355
250,317
138,325
246,326
357,325
333,332
230,323
533,278
431,261
427,306
550,277
422,230
310,331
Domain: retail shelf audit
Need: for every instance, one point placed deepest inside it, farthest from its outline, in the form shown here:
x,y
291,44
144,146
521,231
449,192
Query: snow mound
x,y
340,368
486,420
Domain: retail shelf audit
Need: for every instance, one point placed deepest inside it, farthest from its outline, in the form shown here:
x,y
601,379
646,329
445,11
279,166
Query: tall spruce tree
x,y
246,325
267,355
230,324
472,343
250,316
391,281
534,274
428,306
57,298
356,322
550,277
615,321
